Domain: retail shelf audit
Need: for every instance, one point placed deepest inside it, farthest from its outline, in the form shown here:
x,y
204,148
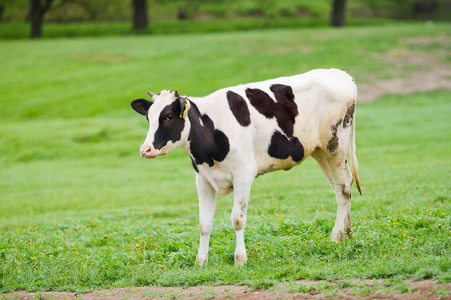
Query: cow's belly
x,y
220,180
270,164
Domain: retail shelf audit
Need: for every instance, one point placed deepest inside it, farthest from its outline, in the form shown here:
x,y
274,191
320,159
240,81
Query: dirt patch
x,y
301,289
433,72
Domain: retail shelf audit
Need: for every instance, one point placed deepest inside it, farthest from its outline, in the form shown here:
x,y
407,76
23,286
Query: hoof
x,y
200,260
240,259
337,235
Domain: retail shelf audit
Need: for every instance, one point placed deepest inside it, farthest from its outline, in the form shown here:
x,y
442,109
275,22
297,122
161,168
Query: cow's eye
x,y
169,117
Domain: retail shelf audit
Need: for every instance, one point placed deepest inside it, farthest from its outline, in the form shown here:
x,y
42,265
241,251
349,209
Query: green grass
x,y
80,210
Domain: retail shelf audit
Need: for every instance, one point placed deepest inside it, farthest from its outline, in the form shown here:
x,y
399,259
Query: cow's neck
x,y
206,143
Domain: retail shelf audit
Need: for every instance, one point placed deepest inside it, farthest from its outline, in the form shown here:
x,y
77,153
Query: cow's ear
x,y
184,107
141,106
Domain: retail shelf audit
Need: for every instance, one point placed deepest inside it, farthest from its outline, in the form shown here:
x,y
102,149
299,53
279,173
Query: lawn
x,y
80,210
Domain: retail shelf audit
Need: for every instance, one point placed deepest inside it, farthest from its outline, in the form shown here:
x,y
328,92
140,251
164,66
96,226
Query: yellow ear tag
x,y
184,114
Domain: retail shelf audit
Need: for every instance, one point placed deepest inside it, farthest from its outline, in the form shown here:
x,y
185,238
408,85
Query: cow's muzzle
x,y
147,151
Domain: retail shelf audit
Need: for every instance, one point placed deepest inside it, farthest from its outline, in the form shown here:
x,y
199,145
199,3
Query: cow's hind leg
x,y
341,177
342,181
207,205
320,158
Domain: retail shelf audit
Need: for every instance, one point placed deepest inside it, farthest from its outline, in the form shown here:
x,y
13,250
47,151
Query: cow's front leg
x,y
242,189
207,205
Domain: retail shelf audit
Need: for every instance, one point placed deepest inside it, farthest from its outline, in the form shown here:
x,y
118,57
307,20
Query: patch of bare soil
x,y
432,70
357,289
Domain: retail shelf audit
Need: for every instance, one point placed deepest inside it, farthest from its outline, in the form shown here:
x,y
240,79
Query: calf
x,y
238,133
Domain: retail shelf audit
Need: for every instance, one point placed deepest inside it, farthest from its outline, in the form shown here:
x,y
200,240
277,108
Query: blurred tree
x,y
338,13
424,8
89,7
2,9
187,9
36,13
139,14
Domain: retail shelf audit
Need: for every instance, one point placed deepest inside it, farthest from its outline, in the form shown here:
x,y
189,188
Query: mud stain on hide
x,y
332,145
346,191
349,116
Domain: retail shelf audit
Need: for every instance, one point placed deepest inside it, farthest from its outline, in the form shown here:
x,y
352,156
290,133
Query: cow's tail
x,y
354,162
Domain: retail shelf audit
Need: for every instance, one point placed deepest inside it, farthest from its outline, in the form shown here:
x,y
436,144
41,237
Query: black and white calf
x,y
237,133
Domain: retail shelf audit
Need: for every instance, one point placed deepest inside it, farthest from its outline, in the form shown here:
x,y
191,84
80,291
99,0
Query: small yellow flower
x,y
137,245
404,234
162,266
130,228
34,257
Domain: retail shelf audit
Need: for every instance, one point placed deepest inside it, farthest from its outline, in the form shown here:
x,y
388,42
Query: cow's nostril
x,y
146,151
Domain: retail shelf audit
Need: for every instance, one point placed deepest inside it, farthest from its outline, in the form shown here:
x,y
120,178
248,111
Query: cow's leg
x,y
341,182
342,178
320,158
242,189
207,205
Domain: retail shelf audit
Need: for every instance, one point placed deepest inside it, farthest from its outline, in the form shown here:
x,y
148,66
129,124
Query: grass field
x,y
80,210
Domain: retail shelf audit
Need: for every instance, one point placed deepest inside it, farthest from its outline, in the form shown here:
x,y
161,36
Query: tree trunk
x,y
2,9
338,13
37,11
140,14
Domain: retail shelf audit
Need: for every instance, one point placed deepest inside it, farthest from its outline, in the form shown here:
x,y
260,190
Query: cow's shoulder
x,y
207,143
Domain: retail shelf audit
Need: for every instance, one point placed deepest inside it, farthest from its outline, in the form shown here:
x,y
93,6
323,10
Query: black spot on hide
x,y
284,110
283,147
194,166
239,108
170,125
207,144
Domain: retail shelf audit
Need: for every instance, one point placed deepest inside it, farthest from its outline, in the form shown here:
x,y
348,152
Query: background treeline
x,y
170,10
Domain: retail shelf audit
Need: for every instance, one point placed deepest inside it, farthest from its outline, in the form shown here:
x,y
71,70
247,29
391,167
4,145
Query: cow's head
x,y
168,122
